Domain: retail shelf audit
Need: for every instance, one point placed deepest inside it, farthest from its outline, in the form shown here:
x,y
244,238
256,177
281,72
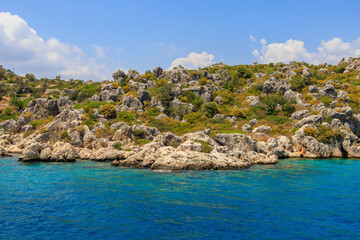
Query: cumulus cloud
x,y
252,38
194,60
331,51
21,48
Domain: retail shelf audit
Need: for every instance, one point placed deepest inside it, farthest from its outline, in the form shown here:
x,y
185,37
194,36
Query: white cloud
x,y
252,38
331,51
263,41
256,53
194,60
100,51
21,48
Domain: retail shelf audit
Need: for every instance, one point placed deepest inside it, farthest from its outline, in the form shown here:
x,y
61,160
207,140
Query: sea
x,y
294,199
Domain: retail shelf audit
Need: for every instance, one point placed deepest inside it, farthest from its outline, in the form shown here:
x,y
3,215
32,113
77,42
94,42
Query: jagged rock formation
x,y
220,117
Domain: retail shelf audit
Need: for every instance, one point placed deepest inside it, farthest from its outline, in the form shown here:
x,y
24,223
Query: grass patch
x,y
205,146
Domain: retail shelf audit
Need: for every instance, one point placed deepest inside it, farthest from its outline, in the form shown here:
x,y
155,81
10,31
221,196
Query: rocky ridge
x,y
224,118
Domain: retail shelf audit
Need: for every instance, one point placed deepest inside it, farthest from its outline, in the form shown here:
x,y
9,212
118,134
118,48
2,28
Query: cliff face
x,y
220,117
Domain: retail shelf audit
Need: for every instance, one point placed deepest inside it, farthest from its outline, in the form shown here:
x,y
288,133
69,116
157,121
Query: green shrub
x,y
202,81
210,109
194,117
205,146
288,109
19,104
8,114
298,83
141,142
117,146
166,94
257,112
277,119
178,111
108,111
191,97
258,87
88,105
37,123
272,101
161,125
238,78
239,113
126,116
339,69
139,133
323,134
326,101
270,70
65,136
90,123
154,112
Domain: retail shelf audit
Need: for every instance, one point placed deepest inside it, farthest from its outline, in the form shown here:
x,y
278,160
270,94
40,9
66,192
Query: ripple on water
x,y
295,199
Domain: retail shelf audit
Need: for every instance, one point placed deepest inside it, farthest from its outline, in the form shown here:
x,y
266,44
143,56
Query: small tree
x,y
166,95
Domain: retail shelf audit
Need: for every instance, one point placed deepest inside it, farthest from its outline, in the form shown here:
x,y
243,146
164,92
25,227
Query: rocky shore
x,y
132,123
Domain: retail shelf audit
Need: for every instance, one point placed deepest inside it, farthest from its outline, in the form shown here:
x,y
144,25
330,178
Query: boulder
x,y
131,103
144,96
309,120
262,129
246,128
298,115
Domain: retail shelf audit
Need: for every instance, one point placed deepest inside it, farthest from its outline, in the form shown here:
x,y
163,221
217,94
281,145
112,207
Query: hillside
x,y
218,117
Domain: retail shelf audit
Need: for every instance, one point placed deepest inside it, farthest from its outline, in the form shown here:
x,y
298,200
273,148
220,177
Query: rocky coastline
x,y
324,122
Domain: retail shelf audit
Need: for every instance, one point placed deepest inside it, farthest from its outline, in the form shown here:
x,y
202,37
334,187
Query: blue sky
x,y
95,38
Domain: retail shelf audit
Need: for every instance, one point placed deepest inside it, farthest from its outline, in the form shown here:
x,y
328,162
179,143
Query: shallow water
x,y
295,199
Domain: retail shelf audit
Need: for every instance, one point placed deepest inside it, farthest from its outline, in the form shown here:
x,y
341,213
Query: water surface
x,y
295,199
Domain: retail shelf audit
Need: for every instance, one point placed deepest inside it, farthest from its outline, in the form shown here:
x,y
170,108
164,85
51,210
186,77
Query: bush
x,y
205,146
16,102
178,111
65,136
108,111
238,78
277,119
323,134
191,97
194,117
227,97
288,109
272,101
270,70
258,87
339,69
326,101
139,133
117,146
239,113
126,116
165,94
298,83
90,123
141,142
203,81
210,109
154,112
149,75
88,105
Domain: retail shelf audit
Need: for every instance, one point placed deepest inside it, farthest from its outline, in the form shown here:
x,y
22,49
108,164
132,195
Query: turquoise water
x,y
295,199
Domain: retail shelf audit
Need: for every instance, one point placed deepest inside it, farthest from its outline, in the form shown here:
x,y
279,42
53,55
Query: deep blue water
x,y
295,199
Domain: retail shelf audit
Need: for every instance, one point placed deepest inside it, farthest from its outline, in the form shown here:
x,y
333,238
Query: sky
x,y
91,39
